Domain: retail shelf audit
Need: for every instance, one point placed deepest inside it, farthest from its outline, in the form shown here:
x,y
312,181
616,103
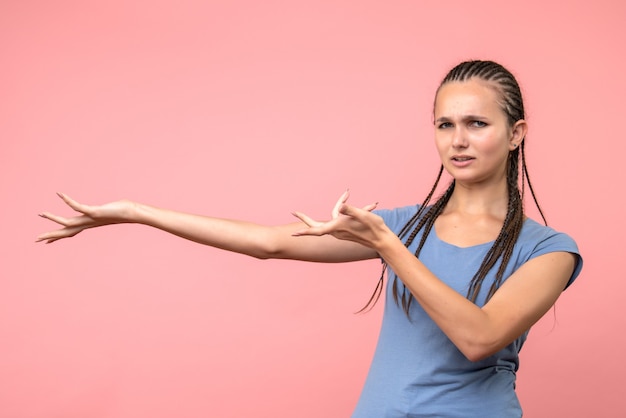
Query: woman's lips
x,y
461,160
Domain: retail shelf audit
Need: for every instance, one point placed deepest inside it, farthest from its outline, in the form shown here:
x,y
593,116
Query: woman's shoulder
x,y
534,232
536,239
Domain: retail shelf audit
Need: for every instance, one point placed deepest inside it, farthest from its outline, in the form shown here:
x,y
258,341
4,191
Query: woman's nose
x,y
459,140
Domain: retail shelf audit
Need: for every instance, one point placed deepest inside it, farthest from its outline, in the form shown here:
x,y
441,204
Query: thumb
x,y
348,210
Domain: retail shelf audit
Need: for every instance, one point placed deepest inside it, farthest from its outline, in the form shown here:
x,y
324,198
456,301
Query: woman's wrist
x,y
387,242
139,213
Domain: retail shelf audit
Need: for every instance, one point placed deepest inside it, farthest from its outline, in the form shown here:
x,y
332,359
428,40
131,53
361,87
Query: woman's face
x,y
472,133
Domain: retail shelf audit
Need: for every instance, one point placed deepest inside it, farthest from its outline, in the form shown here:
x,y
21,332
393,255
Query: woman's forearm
x,y
260,241
461,320
479,332
232,235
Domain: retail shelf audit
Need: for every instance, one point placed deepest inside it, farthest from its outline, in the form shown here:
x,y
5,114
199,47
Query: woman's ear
x,y
518,133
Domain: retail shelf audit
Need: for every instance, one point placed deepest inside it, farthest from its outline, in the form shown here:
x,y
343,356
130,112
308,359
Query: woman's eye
x,y
478,124
444,125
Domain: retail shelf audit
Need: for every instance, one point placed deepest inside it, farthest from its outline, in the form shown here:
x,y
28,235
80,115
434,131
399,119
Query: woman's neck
x,y
475,200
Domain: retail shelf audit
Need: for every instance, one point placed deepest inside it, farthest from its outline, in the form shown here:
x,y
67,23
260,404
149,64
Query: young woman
x,y
468,275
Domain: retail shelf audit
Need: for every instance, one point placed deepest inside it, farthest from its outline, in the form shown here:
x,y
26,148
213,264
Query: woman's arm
x,y
480,332
238,236
477,332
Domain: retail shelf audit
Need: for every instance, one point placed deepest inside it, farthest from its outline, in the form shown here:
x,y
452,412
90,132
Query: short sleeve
x,y
557,242
396,219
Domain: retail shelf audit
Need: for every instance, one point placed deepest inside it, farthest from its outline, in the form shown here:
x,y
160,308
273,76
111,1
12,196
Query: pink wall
x,y
254,109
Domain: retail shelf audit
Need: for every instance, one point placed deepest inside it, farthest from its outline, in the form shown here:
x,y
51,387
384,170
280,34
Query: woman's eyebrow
x,y
463,118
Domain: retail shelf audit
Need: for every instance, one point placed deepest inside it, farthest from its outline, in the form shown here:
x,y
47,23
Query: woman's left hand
x,y
347,223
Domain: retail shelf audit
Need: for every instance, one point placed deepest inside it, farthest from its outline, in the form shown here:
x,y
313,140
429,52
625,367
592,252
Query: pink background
x,y
253,109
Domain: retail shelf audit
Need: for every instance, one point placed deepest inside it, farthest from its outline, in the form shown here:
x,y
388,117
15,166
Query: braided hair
x,y
510,100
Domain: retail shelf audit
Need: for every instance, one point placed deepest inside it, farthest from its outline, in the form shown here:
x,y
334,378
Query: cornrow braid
x,y
511,102
427,222
503,245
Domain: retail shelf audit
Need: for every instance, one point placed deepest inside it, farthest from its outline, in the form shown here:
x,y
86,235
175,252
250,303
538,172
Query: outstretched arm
x,y
232,235
477,332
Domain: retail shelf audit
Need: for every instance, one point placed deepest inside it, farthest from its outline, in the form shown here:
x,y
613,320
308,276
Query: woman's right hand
x,y
90,217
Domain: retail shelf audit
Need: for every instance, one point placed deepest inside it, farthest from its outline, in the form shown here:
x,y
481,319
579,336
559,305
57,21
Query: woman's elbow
x,y
480,348
476,355
267,249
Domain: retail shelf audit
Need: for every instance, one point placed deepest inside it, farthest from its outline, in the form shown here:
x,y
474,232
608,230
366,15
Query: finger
x,y
319,230
78,207
370,207
342,199
306,219
351,211
59,234
51,240
76,221
48,240
45,237
54,218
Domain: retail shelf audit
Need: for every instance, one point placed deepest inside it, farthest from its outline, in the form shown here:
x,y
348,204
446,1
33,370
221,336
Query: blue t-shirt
x,y
417,371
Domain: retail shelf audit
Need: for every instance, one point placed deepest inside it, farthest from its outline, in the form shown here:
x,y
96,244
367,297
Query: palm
x,y
347,223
